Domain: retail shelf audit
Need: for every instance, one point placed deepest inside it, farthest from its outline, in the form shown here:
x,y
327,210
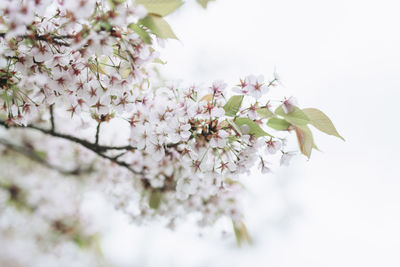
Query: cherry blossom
x,y
289,105
273,146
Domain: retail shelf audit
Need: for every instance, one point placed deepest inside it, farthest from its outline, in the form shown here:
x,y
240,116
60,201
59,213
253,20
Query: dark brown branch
x,y
34,156
99,150
87,144
117,147
120,163
56,39
82,142
120,155
94,147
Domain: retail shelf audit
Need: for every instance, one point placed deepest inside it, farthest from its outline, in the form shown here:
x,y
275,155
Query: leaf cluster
x,y
298,120
154,22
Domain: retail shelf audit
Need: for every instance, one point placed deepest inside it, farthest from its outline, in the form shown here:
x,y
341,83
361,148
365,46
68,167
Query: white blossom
x,y
273,146
289,105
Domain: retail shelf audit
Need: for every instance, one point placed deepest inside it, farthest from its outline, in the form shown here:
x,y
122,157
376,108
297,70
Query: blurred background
x,y
341,208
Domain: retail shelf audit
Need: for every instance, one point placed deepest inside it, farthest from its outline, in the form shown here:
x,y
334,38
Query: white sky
x,y
342,208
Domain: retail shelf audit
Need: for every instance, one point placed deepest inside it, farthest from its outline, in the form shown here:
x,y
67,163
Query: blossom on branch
x,y
78,77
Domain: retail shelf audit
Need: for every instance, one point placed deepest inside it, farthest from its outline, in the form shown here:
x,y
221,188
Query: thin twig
x,y
120,155
97,133
53,126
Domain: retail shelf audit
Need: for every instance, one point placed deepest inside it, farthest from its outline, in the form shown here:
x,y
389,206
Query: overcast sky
x,y
341,208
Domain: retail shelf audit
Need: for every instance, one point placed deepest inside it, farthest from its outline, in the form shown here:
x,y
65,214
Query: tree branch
x,y
34,156
98,149
94,147
56,39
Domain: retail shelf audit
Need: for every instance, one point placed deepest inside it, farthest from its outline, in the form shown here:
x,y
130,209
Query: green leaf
x,y
237,129
95,68
42,155
204,3
233,105
322,122
265,113
145,36
158,26
112,3
297,117
155,199
105,25
241,233
305,139
160,7
81,241
278,124
316,148
159,61
255,129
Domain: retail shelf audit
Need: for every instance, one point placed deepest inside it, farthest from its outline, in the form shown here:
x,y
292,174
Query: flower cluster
x,y
79,54
188,147
85,56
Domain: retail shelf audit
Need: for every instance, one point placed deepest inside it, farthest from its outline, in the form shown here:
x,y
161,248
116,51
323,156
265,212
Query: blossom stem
x,y
53,126
97,133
